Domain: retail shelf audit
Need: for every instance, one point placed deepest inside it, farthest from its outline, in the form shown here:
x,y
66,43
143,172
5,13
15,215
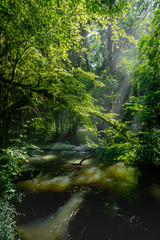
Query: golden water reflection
x,y
116,177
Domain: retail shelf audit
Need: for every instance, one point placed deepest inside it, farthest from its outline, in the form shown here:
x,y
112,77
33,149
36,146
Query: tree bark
x,y
110,49
5,127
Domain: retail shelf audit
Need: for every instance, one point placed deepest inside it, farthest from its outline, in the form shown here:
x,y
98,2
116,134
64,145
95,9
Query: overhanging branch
x,y
28,87
114,124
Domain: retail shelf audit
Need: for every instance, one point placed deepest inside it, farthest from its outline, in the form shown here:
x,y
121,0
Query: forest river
x,y
91,201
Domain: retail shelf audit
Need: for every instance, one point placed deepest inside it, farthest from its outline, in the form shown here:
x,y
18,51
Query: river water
x,y
92,201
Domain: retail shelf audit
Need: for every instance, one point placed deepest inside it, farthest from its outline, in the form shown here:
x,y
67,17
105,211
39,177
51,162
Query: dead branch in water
x,y
80,163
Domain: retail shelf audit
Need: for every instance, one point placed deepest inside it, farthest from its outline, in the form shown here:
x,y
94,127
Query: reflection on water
x,y
43,182
114,206
49,157
117,178
54,227
154,189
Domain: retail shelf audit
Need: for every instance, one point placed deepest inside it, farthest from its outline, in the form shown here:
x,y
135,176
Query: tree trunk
x,y
57,123
5,127
110,49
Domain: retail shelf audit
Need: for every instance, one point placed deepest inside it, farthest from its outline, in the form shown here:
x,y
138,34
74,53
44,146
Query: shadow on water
x,y
89,201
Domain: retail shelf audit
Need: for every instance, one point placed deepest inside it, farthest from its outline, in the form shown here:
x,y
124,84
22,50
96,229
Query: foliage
x,y
10,160
146,84
59,67
144,104
139,149
64,64
112,53
8,227
36,70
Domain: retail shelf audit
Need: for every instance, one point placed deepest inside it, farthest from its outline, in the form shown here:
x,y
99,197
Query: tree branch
x,y
114,124
80,163
27,86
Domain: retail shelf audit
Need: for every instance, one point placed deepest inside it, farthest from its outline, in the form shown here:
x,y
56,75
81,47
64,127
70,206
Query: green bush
x,y
10,160
8,227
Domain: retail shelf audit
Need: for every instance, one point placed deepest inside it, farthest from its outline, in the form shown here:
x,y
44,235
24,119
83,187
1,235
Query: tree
x,y
146,84
36,37
144,103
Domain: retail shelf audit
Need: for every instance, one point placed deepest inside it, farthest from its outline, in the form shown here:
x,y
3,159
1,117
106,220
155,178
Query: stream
x,y
92,201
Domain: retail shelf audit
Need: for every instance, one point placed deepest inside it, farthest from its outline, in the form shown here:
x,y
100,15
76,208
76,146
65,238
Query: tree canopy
x,y
65,64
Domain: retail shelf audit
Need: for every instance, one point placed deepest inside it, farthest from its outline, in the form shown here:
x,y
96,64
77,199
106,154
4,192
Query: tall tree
x,y
145,99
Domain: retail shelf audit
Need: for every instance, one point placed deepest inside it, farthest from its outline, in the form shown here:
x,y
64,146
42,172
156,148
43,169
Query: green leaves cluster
x,y
47,50
8,228
146,84
36,41
10,160
144,102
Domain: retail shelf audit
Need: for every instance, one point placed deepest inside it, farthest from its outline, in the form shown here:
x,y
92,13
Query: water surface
x,y
94,200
